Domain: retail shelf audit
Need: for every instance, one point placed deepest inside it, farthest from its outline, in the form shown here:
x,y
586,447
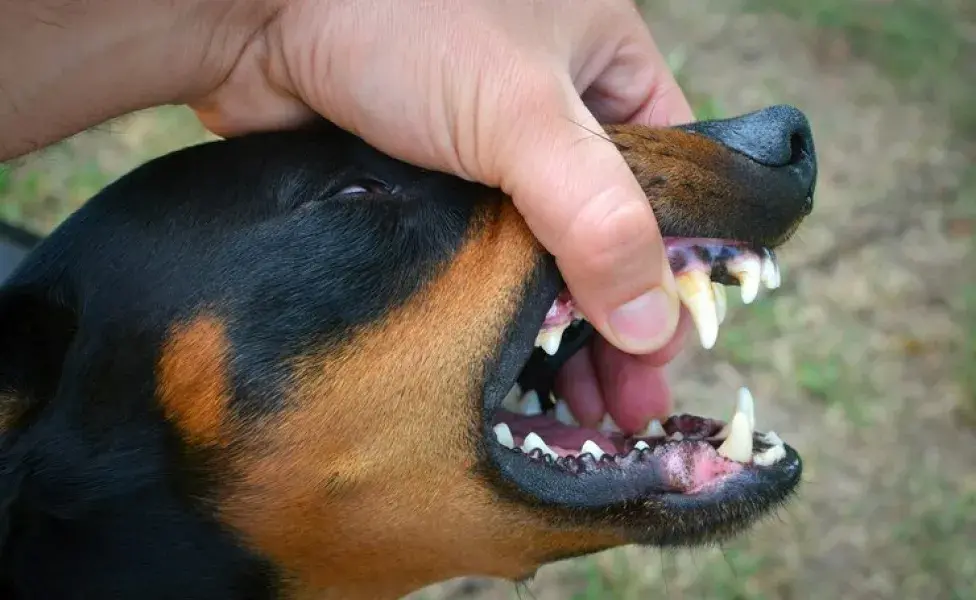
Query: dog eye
x,y
352,189
364,186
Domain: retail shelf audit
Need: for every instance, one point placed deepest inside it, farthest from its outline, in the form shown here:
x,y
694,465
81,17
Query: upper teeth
x,y
548,339
721,301
748,270
530,404
607,425
706,300
770,270
563,415
511,401
695,291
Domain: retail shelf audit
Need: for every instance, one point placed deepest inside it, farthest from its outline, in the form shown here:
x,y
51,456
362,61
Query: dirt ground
x,y
865,360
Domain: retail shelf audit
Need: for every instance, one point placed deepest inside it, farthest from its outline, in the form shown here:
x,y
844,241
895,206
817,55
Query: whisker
x,y
599,135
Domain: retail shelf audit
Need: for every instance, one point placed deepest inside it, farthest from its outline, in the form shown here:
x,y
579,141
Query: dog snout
x,y
777,137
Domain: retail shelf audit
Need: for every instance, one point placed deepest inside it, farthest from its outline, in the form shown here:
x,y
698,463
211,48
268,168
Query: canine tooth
x,y
653,429
770,456
549,340
695,291
534,442
721,301
589,446
746,404
770,270
504,435
748,272
530,404
738,446
608,425
563,414
641,445
511,401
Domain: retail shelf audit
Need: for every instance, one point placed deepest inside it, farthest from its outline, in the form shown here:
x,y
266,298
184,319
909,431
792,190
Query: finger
x,y
634,83
585,206
637,86
247,104
666,354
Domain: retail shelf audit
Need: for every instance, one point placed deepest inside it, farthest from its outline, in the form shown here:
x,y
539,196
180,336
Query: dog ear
x,y
35,334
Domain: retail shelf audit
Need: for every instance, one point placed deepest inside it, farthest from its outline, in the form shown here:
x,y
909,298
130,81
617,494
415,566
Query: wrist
x,y
78,65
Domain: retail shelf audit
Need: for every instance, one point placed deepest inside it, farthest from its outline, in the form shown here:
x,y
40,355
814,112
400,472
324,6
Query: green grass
x,y
966,361
927,48
943,524
964,210
39,190
704,105
907,38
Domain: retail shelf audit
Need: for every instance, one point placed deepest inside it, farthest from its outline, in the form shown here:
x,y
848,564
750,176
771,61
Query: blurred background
x,y
865,360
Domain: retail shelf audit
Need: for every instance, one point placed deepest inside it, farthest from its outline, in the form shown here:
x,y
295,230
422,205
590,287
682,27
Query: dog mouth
x,y
695,461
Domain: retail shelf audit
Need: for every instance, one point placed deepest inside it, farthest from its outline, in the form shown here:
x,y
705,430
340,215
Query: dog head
x,y
287,364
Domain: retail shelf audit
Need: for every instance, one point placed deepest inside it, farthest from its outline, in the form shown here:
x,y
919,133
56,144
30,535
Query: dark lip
x,y
527,481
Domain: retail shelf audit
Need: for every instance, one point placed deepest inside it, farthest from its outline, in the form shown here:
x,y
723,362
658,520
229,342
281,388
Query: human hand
x,y
491,90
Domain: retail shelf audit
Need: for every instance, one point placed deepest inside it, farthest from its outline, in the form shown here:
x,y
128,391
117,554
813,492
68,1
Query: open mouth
x,y
692,460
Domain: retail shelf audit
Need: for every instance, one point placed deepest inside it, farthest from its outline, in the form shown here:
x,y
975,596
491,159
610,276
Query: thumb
x,y
585,206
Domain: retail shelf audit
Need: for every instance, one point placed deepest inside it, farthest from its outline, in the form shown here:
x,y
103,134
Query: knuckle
x,y
605,236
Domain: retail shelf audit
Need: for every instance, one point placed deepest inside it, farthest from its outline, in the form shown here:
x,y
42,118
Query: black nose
x,y
778,136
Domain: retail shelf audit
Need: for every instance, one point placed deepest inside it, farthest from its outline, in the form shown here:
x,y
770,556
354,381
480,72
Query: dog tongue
x,y
563,439
633,389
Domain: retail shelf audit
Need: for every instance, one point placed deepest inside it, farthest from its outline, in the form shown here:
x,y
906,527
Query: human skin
x,y
510,93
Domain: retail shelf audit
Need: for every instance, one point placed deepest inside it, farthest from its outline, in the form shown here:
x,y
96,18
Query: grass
x,y
38,191
926,46
907,38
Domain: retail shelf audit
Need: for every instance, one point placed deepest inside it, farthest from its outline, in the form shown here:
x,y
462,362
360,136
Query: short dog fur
x,y
259,368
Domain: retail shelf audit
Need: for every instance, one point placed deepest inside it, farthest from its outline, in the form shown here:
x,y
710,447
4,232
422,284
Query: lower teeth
x,y
734,442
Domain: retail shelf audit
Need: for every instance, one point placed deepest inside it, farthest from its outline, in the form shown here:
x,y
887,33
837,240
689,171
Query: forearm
x,y
67,66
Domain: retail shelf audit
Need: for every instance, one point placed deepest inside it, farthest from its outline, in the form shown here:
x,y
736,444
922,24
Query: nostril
x,y
774,137
798,148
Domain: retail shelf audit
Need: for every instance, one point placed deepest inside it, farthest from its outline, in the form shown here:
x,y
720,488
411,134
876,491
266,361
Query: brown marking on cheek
x,y
686,177
363,485
193,382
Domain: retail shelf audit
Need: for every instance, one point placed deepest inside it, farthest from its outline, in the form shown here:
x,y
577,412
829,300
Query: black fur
x,y
99,495
77,505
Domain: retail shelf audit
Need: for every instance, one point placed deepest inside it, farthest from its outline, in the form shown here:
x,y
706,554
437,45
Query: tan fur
x,y
11,408
685,176
368,467
192,380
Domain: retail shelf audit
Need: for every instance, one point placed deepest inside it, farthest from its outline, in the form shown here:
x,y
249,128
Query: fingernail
x,y
646,323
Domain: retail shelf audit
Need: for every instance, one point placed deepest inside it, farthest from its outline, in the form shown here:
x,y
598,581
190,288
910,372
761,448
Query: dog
x,y
287,365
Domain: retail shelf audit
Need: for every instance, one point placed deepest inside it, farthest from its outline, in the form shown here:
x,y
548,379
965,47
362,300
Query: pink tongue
x,y
564,439
601,379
